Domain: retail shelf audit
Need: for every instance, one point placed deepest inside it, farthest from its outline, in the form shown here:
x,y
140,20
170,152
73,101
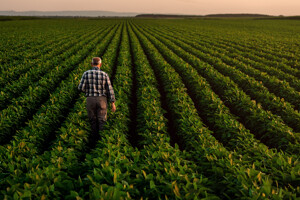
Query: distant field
x,y
206,109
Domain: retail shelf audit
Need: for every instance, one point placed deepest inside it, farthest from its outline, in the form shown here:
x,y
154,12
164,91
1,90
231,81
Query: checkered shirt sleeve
x,y
110,90
81,86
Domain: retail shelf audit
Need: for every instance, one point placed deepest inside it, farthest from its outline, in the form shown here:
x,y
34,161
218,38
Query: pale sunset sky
x,y
194,7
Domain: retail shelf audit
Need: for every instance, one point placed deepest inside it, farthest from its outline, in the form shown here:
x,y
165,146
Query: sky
x,y
193,7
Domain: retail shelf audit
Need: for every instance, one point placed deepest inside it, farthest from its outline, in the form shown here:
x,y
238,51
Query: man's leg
x,y
91,105
102,112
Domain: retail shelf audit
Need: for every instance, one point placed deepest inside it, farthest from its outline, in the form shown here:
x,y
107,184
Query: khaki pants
x,y
97,111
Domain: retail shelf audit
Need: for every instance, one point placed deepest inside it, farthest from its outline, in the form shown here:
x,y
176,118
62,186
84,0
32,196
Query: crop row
x,y
23,107
264,47
157,166
17,58
276,55
31,48
251,87
233,178
38,70
226,128
34,58
260,54
12,56
272,67
269,58
45,174
16,47
169,162
274,132
280,88
26,40
229,131
53,182
21,62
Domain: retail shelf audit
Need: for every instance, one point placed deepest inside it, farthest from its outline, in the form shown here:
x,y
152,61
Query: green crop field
x,y
206,109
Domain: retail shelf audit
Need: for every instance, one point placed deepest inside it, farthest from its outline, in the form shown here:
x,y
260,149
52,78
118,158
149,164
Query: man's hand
x,y
113,107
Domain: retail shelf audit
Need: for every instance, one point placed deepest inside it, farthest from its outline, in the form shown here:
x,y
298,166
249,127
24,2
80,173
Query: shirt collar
x,y
95,68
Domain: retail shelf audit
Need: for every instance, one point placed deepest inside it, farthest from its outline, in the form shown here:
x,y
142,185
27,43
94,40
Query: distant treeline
x,y
14,18
11,18
167,16
196,16
260,16
290,17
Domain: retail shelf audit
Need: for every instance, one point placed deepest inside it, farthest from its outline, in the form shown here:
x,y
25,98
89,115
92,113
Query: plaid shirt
x,y
95,82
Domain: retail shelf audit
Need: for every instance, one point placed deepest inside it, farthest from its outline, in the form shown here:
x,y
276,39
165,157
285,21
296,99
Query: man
x,y
97,87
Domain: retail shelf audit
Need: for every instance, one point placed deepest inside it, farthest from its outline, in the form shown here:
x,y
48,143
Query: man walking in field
x,y
97,87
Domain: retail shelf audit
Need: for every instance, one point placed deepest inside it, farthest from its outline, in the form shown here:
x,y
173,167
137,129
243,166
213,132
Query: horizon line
x,y
145,12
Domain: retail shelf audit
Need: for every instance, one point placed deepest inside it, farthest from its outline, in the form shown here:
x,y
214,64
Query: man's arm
x,y
113,107
110,94
82,83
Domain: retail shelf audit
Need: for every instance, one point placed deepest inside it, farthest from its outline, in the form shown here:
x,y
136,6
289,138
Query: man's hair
x,y
96,61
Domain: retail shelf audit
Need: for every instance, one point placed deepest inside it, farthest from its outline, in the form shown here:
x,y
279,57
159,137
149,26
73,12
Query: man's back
x,y
96,82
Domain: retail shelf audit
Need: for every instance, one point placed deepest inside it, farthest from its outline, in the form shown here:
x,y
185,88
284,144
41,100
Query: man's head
x,y
96,62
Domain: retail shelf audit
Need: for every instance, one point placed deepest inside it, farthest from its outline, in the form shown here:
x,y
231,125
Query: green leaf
x,y
27,193
16,196
152,185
